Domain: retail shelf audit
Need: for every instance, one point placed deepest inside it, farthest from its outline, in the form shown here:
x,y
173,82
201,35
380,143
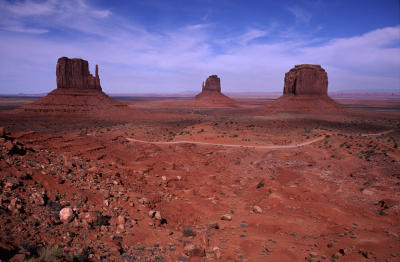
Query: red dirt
x,y
327,185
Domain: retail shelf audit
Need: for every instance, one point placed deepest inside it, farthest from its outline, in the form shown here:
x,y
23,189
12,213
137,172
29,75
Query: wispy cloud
x,y
133,58
301,14
43,16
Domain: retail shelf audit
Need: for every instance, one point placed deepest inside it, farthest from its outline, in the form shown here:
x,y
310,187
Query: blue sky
x,y
158,46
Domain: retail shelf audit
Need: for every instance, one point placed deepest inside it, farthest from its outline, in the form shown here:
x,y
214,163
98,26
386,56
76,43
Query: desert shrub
x,y
261,184
51,253
101,220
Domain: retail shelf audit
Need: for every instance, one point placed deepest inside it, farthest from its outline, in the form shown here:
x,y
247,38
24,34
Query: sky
x,y
158,46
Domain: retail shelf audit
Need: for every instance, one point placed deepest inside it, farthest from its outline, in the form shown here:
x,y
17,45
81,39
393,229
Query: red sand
x,y
327,185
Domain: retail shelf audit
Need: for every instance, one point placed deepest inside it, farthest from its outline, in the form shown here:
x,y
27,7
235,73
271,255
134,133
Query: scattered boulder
x,y
15,205
188,231
38,199
217,252
194,250
155,214
214,225
257,209
226,217
120,220
66,215
2,131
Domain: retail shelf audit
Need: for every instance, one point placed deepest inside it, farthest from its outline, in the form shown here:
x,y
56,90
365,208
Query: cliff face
x,y
306,80
74,73
305,90
77,91
211,95
213,83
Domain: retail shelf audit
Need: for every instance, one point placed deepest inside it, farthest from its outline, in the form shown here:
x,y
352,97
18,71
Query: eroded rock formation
x,y
211,95
74,73
213,83
306,80
77,91
305,90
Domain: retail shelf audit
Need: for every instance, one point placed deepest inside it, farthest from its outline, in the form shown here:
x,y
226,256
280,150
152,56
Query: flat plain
x,y
173,183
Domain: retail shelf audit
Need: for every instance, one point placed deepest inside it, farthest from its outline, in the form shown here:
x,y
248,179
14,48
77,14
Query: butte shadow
x,y
77,92
305,90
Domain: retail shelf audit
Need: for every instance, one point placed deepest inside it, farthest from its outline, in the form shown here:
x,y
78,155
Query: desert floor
x,y
169,183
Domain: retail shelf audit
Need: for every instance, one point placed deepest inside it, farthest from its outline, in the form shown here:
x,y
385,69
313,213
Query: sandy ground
x,y
179,184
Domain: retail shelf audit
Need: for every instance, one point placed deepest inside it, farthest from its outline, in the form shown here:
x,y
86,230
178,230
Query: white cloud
x,y
134,59
43,16
300,14
31,8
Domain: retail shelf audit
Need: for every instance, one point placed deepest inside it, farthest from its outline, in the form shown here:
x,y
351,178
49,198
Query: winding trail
x,y
229,145
380,133
294,145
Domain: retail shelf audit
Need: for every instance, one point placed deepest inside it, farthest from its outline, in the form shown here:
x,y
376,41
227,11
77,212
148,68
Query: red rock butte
x,y
213,83
306,80
211,95
74,73
305,90
77,91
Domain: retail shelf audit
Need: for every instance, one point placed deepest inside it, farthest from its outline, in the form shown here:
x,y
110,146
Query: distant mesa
x,y
77,91
305,90
211,95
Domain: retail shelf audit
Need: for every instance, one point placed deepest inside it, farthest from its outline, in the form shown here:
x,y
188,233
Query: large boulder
x,y
306,80
74,73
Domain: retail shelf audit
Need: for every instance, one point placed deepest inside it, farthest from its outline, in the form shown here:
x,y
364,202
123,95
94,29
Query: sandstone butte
x,y
78,91
305,90
211,95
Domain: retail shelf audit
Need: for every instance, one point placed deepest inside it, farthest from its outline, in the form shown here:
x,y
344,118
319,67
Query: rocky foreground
x,y
93,193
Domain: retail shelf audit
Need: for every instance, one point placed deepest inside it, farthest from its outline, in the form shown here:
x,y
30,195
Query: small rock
x,y
213,225
226,217
144,201
217,252
194,250
120,220
188,231
8,145
2,131
38,199
66,214
15,205
257,209
88,217
336,256
155,214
